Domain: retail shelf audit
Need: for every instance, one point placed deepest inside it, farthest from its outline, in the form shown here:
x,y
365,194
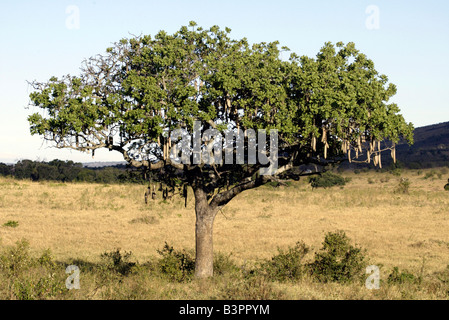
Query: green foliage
x,y
46,259
118,262
430,174
338,260
151,84
287,264
11,224
401,277
223,264
16,260
273,184
177,265
56,170
68,171
6,170
30,278
27,278
327,180
403,187
43,287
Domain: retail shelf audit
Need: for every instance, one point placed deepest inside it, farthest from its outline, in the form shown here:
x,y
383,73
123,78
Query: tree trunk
x,y
205,216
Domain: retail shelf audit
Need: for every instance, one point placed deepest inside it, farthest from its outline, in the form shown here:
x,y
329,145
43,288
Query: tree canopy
x,y
129,98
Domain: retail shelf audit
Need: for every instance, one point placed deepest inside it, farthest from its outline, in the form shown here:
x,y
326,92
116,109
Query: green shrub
x,y
49,286
23,289
273,184
430,174
30,278
14,261
11,224
179,266
224,264
327,180
118,262
46,259
287,265
397,277
338,260
384,179
403,186
396,172
42,287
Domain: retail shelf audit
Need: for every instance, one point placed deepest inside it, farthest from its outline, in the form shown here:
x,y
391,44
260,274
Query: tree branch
x,y
223,198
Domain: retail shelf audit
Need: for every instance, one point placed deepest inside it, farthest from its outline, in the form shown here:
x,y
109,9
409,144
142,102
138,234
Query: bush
x,y
46,259
384,179
397,277
17,259
29,288
339,261
403,186
118,262
11,224
396,168
430,174
179,266
327,180
287,265
30,278
224,264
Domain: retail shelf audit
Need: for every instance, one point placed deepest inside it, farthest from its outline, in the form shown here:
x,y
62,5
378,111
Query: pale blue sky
x,y
410,46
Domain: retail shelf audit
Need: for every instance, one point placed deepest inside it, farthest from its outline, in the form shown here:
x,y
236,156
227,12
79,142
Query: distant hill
x,y
431,147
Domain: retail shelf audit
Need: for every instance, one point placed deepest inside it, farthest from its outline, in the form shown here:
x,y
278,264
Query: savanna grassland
x,y
46,226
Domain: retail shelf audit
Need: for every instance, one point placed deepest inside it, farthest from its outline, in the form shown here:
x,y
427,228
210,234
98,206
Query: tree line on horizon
x,y
69,171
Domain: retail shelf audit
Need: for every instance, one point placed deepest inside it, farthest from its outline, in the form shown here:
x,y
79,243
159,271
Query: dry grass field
x,y
82,221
